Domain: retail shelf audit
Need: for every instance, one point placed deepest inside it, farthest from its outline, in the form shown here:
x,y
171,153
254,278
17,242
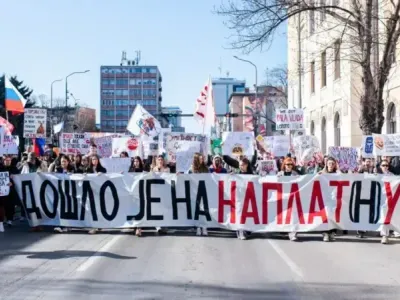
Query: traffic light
x,y
231,115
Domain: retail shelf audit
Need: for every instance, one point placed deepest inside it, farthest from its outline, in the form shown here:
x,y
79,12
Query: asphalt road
x,y
183,266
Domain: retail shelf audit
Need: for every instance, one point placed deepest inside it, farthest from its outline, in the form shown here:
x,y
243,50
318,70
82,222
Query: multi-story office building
x,y
222,90
122,88
172,118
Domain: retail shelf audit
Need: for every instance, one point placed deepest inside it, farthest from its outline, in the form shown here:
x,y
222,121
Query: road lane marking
x,y
98,255
290,263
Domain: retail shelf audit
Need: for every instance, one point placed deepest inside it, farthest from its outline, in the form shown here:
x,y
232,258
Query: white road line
x,y
97,256
291,264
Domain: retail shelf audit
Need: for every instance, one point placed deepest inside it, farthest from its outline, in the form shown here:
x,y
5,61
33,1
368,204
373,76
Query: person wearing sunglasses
x,y
385,168
287,169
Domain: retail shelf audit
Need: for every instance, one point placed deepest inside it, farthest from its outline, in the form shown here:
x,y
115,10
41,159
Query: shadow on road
x,y
95,289
61,254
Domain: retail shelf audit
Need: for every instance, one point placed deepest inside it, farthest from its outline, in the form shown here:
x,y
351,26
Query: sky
x,y
45,40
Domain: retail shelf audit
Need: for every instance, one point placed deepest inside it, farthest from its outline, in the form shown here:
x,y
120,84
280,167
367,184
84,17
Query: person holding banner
x,y
7,202
161,167
199,166
287,169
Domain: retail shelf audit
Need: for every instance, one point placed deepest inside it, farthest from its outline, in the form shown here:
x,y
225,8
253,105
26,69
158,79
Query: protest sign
x,y
35,120
367,146
150,148
4,184
73,143
248,202
267,167
184,156
126,144
10,144
289,119
176,141
387,144
307,149
238,143
116,164
281,145
347,157
104,144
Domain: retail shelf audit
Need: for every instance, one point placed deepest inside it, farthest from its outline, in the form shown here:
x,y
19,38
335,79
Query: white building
x,y
222,90
330,82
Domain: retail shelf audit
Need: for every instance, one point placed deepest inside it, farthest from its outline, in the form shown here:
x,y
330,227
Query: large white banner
x,y
35,122
275,204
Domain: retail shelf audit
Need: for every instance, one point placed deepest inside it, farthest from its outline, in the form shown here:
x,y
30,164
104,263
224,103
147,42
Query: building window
x,y
312,77
312,128
312,19
336,125
323,135
323,69
391,119
336,48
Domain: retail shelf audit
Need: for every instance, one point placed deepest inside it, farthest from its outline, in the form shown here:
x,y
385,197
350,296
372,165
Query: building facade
x,y
171,118
122,88
327,83
222,90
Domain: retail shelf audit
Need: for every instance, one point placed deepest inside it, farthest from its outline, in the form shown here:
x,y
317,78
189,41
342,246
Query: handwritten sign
x,y
387,144
150,148
116,164
267,167
73,143
35,123
10,144
281,145
289,119
4,183
104,144
367,146
347,157
307,149
128,144
184,156
238,143
177,141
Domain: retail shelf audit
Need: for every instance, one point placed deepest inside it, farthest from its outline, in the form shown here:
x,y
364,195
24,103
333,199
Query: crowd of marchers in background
x,y
91,164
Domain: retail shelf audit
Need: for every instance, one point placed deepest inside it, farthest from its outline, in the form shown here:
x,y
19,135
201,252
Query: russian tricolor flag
x,y
14,100
38,146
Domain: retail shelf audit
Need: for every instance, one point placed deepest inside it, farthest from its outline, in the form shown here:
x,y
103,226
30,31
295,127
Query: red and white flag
x,y
205,112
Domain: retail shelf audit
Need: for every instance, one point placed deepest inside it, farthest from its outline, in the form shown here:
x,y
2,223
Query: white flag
x,y
205,112
58,127
143,123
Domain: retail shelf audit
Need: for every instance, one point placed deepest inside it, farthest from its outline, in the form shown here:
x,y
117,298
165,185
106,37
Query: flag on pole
x,y
15,102
38,146
143,123
58,127
205,112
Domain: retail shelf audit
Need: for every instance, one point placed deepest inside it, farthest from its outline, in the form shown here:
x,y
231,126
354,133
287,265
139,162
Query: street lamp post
x,y
51,105
66,90
256,85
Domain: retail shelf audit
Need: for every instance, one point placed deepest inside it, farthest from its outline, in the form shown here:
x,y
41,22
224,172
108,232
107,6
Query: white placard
x,y
281,145
150,148
10,144
238,143
4,184
289,119
184,156
73,143
387,144
116,164
104,144
176,141
128,144
35,120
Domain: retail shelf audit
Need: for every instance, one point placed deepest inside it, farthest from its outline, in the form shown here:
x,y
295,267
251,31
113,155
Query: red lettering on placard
x,y
250,200
391,201
266,188
294,196
316,197
230,202
339,196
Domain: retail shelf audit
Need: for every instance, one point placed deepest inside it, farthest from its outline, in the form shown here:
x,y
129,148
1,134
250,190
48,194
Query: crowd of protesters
x,y
90,163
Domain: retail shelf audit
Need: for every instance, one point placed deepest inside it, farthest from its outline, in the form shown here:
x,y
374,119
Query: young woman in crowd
x,y
217,166
95,167
287,169
124,154
136,167
161,167
198,167
66,167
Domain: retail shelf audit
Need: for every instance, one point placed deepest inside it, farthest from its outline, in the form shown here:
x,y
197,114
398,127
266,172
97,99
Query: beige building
x,y
330,82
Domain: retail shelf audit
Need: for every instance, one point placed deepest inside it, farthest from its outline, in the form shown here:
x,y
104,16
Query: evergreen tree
x,y
16,120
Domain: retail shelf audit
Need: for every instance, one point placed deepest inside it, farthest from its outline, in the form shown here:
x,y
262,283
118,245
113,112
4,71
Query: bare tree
x,y
276,80
369,32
